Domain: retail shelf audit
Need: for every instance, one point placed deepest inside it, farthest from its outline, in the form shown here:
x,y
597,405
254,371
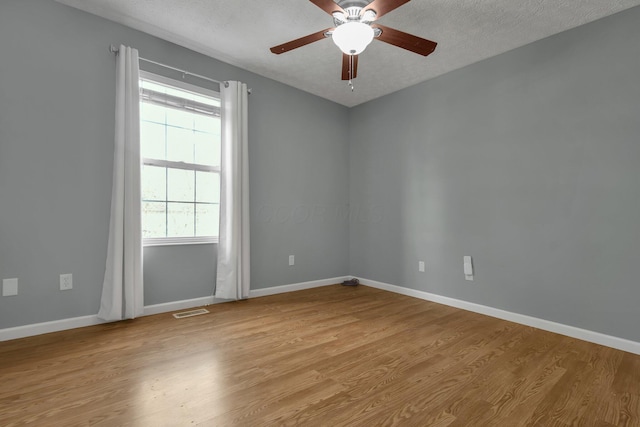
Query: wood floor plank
x,y
329,356
451,384
628,410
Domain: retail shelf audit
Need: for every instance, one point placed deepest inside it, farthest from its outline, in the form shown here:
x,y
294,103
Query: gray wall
x,y
530,163
56,152
176,273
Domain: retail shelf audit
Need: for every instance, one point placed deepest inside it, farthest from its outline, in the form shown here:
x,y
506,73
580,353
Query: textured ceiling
x,y
240,32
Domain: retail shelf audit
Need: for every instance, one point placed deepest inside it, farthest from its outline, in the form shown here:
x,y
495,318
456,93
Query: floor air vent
x,y
190,313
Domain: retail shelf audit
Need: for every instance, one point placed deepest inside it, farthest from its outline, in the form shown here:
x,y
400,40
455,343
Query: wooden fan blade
x,y
328,6
349,66
382,7
405,40
302,41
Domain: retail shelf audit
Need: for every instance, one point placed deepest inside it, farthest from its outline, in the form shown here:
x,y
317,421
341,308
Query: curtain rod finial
x,y
113,49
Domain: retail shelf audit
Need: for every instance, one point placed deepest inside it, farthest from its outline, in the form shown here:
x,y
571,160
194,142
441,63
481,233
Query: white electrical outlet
x,y
421,266
467,264
66,282
292,260
9,287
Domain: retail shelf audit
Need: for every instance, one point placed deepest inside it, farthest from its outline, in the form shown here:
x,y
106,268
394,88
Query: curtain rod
x,y
115,50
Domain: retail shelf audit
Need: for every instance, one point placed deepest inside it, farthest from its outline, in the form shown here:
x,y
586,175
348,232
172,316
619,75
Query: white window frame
x,y
170,241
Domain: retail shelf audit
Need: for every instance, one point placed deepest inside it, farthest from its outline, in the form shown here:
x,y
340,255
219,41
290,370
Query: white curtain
x,y
122,291
233,247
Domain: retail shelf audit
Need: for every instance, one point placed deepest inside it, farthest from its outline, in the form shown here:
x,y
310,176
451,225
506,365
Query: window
x,y
180,149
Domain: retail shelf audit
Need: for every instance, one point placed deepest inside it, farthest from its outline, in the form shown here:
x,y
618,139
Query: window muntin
x,y
180,150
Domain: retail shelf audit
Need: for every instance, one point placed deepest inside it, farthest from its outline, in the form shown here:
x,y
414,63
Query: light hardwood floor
x,y
331,356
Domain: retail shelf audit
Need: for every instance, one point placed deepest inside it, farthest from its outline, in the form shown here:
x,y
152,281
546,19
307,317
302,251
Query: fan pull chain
x,y
350,72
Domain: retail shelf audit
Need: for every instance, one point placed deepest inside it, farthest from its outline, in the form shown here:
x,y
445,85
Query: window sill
x,y
178,241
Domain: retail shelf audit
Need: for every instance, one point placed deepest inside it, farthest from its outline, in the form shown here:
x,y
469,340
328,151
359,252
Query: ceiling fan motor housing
x,y
346,4
352,9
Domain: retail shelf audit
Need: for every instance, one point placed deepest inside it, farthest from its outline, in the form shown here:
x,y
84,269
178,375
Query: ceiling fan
x,y
355,27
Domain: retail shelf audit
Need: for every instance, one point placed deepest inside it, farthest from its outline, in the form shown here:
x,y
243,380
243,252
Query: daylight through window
x,y
180,149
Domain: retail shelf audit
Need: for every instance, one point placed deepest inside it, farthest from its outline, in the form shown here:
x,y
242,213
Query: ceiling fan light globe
x,y
352,37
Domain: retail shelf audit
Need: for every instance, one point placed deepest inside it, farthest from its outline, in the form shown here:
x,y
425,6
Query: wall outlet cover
x,y
66,282
9,287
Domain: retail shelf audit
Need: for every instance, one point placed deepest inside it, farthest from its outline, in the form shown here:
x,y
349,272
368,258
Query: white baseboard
x,y
296,286
571,331
46,327
178,305
80,322
559,328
